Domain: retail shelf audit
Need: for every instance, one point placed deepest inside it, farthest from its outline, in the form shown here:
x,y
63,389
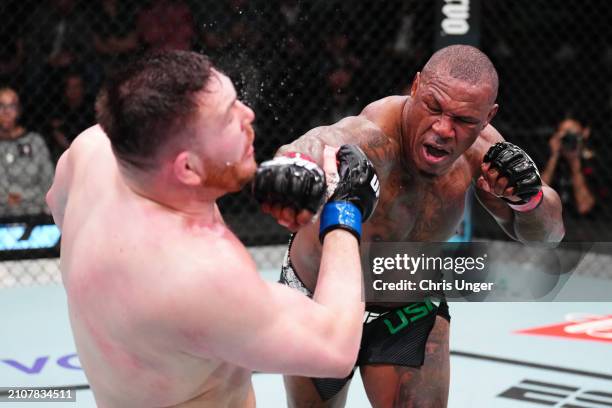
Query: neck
x,y
10,133
404,132
195,204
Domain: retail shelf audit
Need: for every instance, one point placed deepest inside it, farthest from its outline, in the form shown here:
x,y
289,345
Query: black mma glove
x,y
356,194
290,181
513,163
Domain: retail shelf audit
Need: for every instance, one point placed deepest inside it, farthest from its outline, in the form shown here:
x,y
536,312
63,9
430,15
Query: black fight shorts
x,y
394,336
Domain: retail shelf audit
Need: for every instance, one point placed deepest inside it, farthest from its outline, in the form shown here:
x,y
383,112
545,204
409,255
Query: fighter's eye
x,y
432,108
467,121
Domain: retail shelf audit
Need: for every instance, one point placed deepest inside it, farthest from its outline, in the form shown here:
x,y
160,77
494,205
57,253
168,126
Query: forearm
x,y
543,224
339,271
311,144
585,200
311,147
308,339
549,169
339,287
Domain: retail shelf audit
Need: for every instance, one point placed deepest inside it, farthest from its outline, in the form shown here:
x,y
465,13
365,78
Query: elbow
x,y
343,355
556,236
544,239
342,363
54,208
560,234
49,198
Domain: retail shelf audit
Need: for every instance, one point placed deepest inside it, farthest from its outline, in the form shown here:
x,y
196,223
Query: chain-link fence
x,y
554,59
300,64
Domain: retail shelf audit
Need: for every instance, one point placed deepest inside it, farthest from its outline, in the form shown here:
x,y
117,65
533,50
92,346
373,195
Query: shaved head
x,y
465,63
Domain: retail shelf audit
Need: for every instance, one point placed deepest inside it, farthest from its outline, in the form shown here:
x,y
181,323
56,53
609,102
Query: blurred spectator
x,y
27,171
166,25
573,169
115,36
59,39
341,101
72,115
338,53
340,66
293,27
405,52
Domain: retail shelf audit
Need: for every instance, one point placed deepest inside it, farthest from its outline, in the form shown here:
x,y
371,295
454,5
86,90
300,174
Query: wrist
x,y
340,215
531,204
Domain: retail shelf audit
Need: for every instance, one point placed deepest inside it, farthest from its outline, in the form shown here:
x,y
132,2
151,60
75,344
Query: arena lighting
x,y
22,236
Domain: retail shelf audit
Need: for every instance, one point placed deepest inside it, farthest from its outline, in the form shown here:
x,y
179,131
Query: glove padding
x,y
356,195
290,181
358,183
513,163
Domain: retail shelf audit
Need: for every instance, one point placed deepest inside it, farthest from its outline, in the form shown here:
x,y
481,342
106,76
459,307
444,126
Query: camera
x,y
570,141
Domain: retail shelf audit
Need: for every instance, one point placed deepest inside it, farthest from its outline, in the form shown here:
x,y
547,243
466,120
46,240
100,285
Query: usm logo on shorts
x,y
558,395
401,318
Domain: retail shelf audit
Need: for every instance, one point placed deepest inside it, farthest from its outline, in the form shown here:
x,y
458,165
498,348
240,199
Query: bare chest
x,y
409,211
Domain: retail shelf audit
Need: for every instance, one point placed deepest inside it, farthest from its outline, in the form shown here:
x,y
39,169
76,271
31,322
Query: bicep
x,y
355,130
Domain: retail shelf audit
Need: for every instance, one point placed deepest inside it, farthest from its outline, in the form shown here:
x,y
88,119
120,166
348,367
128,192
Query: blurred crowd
x,y
294,62
299,64
56,53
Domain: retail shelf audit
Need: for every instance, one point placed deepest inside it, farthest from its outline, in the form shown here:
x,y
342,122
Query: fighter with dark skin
x,y
428,148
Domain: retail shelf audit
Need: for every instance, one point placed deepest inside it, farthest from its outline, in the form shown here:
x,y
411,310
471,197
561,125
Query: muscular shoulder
x,y
377,130
210,257
380,147
356,130
386,113
90,140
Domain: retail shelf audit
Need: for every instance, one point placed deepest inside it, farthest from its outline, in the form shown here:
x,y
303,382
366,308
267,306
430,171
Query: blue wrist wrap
x,y
340,214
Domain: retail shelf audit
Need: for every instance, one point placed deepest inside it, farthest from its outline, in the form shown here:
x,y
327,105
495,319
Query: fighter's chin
x,y
245,176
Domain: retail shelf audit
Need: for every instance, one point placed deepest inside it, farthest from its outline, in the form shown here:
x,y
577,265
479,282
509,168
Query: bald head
x,y
465,63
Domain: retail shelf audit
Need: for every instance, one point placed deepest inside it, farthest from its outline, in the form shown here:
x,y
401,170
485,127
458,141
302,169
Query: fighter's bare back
x,y
125,274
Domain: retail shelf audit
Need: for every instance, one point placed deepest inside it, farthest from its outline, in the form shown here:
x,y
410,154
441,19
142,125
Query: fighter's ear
x,y
491,114
188,169
415,84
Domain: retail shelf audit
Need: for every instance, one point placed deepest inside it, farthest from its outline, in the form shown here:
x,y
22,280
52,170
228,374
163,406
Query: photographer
x,y
572,175
26,171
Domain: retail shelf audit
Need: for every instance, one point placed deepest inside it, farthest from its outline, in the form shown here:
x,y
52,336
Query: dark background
x,y
301,64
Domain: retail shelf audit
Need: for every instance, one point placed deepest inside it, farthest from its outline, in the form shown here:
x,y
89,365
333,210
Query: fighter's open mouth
x,y
435,152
